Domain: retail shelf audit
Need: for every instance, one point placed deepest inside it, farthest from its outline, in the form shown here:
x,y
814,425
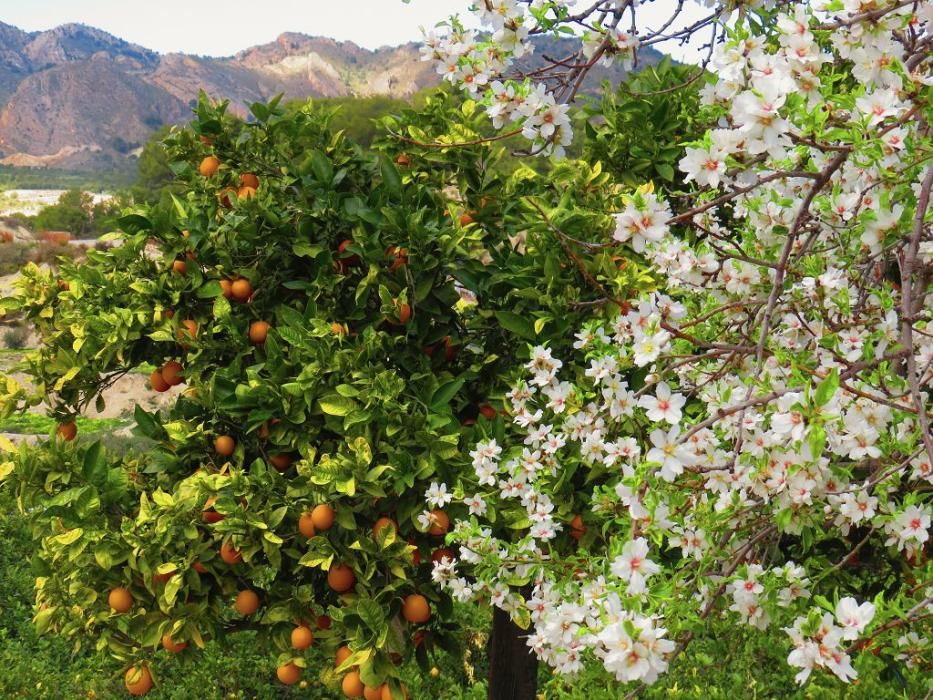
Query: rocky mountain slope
x,y
77,97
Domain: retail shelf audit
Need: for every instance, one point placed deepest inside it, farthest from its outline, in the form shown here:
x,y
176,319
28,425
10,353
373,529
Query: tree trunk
x,y
513,667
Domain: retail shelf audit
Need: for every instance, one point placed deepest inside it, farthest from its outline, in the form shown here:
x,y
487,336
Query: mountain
x,y
78,97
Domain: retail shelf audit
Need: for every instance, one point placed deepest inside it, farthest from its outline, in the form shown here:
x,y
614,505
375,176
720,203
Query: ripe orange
x,y
404,313
138,680
352,686
338,328
322,622
187,330
439,555
179,267
350,260
249,180
403,160
120,600
400,255
416,609
157,382
209,166
172,647
224,445
281,461
302,637
258,330
341,578
343,653
246,603
441,523
246,192
241,290
224,196
159,579
199,567
230,554
487,411
67,431
172,373
323,517
577,528
208,514
306,525
227,287
466,219
383,523
289,674
373,693
387,692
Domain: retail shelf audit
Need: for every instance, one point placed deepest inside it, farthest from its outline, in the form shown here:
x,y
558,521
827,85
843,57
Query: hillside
x,y
77,97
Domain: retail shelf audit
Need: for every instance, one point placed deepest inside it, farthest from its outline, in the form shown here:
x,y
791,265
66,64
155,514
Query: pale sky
x,y
223,27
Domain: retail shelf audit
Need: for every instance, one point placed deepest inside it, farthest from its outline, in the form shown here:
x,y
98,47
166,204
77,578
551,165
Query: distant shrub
x,y
15,337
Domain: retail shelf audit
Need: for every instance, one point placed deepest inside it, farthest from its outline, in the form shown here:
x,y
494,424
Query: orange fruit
x,y
227,287
224,197
246,603
209,166
577,528
67,431
199,567
187,330
159,579
400,255
403,160
352,686
404,313
322,622
323,516
466,219
387,692
172,647
246,192
350,260
487,411
241,290
157,382
224,445
343,653
441,523
341,578
230,554
416,609
179,267
289,674
338,328
373,693
138,680
208,514
281,461
120,600
439,555
258,330
249,180
383,523
306,525
172,373
302,637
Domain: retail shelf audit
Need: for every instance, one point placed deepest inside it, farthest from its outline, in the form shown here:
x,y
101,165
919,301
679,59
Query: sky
x,y
222,28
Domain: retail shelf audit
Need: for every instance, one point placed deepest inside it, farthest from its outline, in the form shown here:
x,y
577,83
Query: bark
x,y
513,668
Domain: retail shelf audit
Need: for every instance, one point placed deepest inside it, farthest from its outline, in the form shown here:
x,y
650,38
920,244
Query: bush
x,y
15,338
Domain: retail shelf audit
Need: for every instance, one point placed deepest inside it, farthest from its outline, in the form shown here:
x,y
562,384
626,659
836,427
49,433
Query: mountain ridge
x,y
75,96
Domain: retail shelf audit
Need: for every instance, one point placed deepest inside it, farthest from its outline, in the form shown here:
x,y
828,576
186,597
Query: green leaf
x,y
390,176
445,393
94,468
336,405
209,290
827,388
519,325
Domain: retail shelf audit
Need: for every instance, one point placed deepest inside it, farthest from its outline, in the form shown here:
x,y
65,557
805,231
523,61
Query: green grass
x,y
39,424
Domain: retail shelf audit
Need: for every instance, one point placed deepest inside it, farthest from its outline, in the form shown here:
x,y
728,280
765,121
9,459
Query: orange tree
x,y
330,324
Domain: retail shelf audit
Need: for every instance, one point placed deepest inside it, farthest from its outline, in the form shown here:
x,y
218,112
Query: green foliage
x,y
398,294
13,177
636,130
